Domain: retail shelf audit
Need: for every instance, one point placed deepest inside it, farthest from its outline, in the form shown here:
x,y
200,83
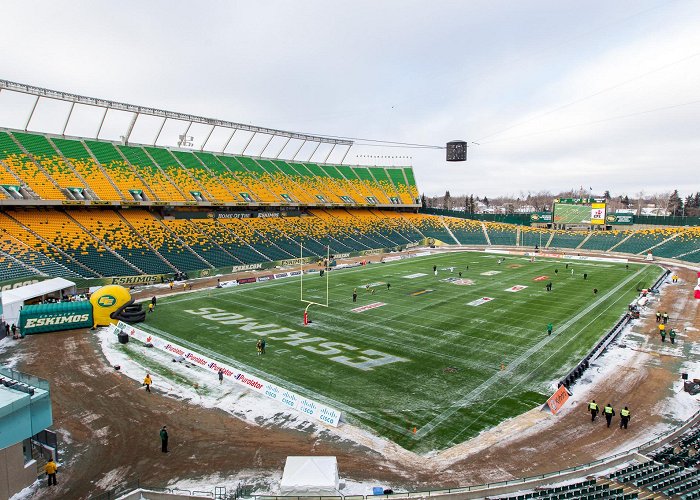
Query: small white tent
x,y
314,476
13,300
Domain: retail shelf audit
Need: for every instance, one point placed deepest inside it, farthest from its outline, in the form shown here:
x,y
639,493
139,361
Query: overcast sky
x,y
558,94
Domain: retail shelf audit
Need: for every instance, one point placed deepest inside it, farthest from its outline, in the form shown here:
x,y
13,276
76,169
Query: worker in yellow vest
x,y
609,413
593,408
624,417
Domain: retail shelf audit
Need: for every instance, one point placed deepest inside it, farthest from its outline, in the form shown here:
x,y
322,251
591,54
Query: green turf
x,y
448,381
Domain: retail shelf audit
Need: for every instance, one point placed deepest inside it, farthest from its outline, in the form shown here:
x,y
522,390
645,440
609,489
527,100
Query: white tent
x,y
315,476
13,300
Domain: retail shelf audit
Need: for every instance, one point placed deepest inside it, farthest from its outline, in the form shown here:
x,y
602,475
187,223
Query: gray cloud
x,y
416,71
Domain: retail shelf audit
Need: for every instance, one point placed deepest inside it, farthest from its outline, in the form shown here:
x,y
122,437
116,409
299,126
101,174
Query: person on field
x,y
593,408
585,276
258,346
150,307
550,327
556,271
163,440
672,336
665,317
221,376
172,284
460,274
147,382
624,417
595,291
263,345
51,469
609,413
658,316
662,332
153,301
354,294
435,270
388,286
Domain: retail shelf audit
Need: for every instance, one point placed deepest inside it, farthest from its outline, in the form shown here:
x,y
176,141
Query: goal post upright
x,y
301,277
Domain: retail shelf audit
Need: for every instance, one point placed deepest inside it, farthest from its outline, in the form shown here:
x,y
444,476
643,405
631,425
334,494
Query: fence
x,y
524,219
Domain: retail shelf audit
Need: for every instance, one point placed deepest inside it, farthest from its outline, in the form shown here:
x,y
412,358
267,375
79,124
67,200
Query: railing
x,y
25,378
219,492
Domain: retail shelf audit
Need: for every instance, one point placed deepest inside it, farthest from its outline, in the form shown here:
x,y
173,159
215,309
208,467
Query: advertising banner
x,y
288,398
598,213
144,279
557,400
42,318
620,219
596,259
541,217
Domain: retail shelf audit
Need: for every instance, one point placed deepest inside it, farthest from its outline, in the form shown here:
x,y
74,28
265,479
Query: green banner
x,y
541,217
619,219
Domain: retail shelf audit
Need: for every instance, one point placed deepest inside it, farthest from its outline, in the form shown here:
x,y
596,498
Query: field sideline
x,y
430,352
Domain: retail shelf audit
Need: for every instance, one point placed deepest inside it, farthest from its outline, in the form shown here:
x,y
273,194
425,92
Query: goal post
x,y
301,277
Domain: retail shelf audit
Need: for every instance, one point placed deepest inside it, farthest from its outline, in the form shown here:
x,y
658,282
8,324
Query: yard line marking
x,y
286,384
514,364
524,378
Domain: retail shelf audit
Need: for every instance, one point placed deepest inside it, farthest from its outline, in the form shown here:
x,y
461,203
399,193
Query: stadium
x,y
306,326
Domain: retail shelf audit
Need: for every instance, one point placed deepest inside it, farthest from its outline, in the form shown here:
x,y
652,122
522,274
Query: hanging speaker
x,y
457,151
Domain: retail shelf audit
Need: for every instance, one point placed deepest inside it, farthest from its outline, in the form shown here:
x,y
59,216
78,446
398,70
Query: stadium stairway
x,y
449,231
228,233
659,480
74,153
668,240
486,234
26,235
104,245
117,170
584,241
182,177
60,173
162,240
160,182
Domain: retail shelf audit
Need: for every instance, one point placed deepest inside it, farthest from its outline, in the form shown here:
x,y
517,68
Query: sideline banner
x,y
312,408
596,259
557,400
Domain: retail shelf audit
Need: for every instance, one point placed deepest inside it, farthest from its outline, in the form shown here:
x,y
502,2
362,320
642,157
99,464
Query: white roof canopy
x,y
316,476
13,300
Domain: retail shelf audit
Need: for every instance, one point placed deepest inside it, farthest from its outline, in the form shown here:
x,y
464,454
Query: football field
x,y
445,355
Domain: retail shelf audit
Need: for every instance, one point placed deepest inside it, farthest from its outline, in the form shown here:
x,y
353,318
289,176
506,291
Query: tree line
x,y
670,203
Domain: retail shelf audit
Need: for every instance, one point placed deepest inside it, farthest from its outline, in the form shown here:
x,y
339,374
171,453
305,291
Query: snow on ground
x,y
7,344
27,492
196,386
268,485
112,478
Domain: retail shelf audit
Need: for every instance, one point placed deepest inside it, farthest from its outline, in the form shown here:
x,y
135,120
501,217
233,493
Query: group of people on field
x,y
609,413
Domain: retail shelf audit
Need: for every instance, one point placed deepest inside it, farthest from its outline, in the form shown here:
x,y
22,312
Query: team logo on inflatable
x,y
106,301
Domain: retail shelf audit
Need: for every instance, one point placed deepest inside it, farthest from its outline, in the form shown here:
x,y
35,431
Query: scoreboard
x,y
579,211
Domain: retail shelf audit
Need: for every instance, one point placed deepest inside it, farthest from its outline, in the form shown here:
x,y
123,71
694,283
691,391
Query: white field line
x,y
527,376
420,340
497,345
224,295
514,364
272,378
